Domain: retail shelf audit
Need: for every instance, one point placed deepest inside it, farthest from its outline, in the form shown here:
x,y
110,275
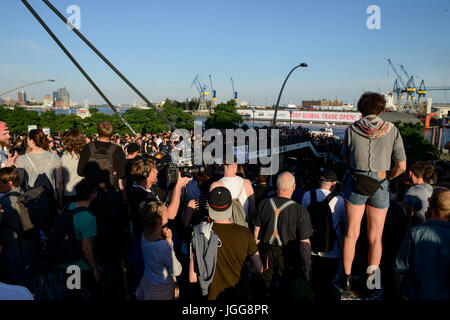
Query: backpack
x,y
33,212
324,234
239,216
40,199
62,245
100,165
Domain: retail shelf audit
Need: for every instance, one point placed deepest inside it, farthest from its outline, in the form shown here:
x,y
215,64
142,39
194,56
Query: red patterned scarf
x,y
372,127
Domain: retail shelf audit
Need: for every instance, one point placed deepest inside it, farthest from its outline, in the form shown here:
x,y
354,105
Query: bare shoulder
x,y
248,185
216,184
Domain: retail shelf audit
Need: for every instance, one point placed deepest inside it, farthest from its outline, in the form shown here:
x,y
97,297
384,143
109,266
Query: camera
x,y
188,171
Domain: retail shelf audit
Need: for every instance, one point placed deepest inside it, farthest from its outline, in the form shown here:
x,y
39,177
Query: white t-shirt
x,y
337,206
237,189
10,292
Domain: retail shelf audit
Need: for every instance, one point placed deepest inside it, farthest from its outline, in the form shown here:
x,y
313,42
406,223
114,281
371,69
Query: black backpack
x,y
41,201
100,165
62,245
324,235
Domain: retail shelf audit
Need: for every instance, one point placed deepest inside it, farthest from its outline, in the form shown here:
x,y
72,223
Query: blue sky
x,y
161,45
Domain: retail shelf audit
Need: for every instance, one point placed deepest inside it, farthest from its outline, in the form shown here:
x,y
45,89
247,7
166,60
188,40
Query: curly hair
x,y
74,141
371,103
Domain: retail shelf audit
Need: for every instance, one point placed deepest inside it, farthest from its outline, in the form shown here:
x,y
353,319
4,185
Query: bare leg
x,y
375,226
354,217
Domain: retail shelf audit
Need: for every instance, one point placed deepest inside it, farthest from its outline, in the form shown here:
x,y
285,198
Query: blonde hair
x,y
150,213
105,129
142,168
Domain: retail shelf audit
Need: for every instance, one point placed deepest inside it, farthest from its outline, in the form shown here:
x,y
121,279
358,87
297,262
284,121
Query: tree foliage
x,y
414,141
225,116
140,120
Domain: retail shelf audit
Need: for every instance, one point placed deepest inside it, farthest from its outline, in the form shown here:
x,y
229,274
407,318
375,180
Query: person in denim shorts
x,y
370,145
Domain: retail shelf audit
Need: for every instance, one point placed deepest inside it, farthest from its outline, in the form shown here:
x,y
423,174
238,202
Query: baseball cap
x,y
328,176
220,204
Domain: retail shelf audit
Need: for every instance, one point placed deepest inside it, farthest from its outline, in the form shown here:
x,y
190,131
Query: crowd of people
x,y
107,205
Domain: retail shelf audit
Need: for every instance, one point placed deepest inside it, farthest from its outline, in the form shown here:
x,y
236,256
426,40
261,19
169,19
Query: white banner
x,y
305,116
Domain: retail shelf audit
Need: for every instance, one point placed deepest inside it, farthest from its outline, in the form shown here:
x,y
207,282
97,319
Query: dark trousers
x,y
323,272
281,268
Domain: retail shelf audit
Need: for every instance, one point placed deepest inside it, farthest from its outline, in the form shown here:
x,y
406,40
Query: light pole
x,y
303,65
253,110
26,85
290,111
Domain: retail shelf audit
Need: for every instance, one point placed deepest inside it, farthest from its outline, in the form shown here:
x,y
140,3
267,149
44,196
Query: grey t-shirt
x,y
69,162
417,196
373,154
45,162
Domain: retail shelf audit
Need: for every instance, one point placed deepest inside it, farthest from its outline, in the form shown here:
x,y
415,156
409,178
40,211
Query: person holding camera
x,y
369,146
145,188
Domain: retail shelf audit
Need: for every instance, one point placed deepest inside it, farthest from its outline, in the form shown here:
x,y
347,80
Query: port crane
x,y
399,84
235,94
213,92
202,92
410,85
422,91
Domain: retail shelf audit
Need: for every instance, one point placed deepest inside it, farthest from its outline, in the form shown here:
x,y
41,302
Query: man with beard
x,y
6,160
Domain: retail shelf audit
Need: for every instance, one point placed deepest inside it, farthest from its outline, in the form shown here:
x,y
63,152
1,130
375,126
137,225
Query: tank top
x,y
235,186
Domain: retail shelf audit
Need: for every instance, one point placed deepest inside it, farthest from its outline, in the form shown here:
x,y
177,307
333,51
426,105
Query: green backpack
x,y
239,216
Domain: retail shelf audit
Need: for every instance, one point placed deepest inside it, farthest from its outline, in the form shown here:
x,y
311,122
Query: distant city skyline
x,y
161,46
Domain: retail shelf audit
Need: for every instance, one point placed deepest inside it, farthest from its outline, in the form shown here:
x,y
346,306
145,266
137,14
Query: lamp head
x,y
303,65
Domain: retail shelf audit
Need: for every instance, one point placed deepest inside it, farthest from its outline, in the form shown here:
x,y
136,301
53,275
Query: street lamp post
x,y
303,65
253,110
26,85
290,118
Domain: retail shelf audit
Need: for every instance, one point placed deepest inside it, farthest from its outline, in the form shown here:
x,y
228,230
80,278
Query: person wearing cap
x,y
234,245
325,264
5,141
239,187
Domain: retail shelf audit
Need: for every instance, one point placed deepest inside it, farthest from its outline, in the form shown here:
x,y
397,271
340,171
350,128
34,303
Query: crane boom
x,y
235,94
396,73
212,89
410,85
